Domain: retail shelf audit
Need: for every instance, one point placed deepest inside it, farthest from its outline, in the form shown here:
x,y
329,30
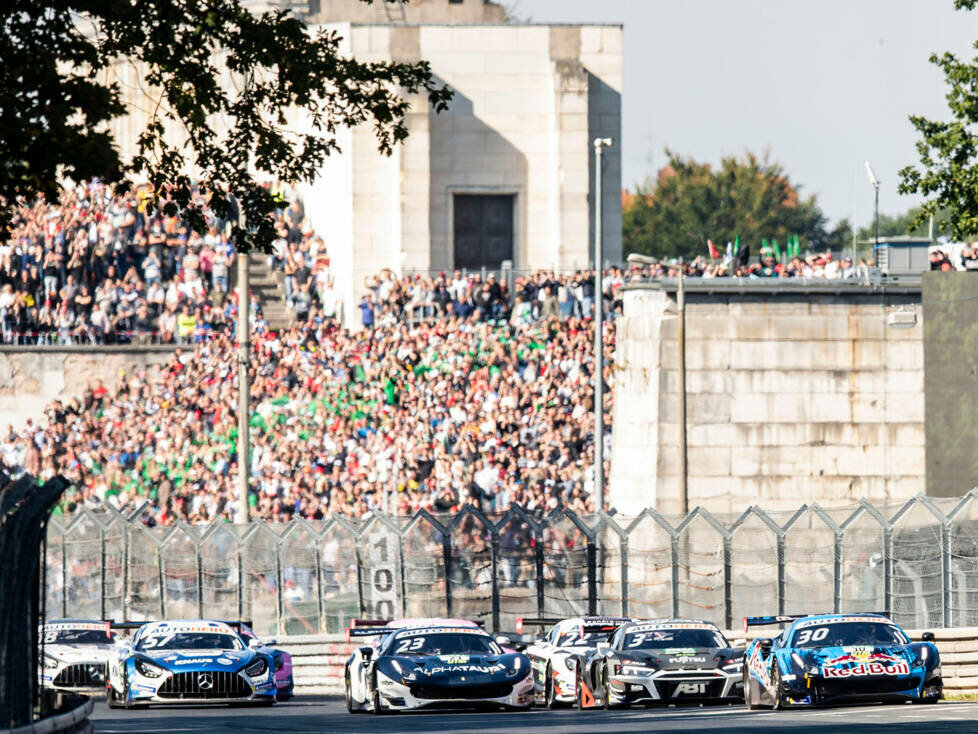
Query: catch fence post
x,y
200,581
728,582
446,549
624,575
782,583
674,552
494,548
320,607
279,596
592,577
101,545
837,571
946,570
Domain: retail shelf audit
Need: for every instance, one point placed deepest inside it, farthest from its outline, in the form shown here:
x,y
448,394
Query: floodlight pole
x,y
599,145
244,388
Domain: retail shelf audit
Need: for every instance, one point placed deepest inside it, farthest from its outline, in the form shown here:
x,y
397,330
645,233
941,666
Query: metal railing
x,y
919,560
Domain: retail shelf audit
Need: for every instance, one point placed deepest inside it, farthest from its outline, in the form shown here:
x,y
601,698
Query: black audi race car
x,y
661,661
435,666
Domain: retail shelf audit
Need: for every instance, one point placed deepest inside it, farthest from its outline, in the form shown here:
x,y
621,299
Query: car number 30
x,y
812,635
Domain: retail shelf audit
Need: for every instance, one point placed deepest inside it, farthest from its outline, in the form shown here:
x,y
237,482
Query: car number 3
x,y
815,635
412,645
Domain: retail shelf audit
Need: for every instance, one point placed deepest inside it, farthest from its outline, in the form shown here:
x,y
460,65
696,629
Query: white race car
x,y
550,657
75,653
425,664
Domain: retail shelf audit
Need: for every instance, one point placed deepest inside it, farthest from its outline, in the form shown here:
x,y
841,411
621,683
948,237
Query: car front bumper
x,y
677,686
401,695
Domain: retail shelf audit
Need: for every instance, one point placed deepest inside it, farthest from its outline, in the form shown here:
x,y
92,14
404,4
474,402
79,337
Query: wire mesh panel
x,y
918,591
609,569
809,561
300,590
259,551
379,551
54,582
338,567
219,572
753,567
143,594
701,582
83,554
649,568
565,567
516,571
470,571
115,568
964,564
863,580
179,554
424,569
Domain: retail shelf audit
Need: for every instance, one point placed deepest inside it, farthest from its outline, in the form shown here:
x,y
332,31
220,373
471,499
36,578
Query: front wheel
x,y
578,689
549,694
112,698
350,707
380,708
777,690
748,698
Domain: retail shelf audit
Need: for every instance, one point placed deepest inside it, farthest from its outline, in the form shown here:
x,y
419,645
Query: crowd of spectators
x,y
398,417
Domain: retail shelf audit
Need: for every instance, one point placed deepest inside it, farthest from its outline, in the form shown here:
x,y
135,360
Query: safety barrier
x,y
318,660
73,721
919,560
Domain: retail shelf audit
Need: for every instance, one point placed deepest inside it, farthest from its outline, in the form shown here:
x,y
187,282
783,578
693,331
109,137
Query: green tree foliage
x,y
55,100
947,173
749,197
907,223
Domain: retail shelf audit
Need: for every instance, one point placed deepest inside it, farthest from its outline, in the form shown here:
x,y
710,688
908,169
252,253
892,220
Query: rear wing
x,y
522,622
377,627
135,625
781,618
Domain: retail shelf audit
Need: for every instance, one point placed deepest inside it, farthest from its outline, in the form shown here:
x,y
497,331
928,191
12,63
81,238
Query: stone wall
x,y
793,395
32,378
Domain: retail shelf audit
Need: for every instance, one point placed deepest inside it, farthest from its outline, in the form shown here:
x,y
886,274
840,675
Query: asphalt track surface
x,y
328,714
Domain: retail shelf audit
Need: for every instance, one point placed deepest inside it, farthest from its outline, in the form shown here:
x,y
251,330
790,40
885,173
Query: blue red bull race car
x,y
830,658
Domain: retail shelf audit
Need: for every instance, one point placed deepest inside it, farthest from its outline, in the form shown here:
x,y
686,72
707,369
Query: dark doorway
x,y
483,230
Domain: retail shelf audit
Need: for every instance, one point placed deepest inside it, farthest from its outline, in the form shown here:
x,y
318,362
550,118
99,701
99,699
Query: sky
x,y
824,85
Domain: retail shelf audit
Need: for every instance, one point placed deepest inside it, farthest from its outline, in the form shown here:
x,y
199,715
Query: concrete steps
x,y
267,286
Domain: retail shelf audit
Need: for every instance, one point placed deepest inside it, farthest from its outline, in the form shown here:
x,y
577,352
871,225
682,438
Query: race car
x,y
284,682
74,653
553,674
435,666
190,661
660,661
828,658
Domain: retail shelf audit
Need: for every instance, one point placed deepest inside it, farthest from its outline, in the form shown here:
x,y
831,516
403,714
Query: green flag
x,y
777,250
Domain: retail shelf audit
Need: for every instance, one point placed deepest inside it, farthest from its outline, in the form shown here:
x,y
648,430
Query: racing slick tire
x,y
606,684
578,689
748,699
349,694
549,696
778,690
380,708
112,699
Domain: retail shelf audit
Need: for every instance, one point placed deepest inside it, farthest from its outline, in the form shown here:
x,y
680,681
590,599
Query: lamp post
x,y
876,207
599,145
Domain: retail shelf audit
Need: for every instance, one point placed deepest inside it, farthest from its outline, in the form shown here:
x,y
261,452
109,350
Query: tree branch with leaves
x,y
54,110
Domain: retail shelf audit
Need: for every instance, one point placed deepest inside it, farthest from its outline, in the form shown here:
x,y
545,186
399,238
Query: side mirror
x,y
367,652
739,642
269,642
765,646
603,647
503,640
255,643
571,663
519,646
928,637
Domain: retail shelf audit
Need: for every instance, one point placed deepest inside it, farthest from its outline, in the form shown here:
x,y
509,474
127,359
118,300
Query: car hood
x,y
679,658
471,668
81,653
177,660
849,656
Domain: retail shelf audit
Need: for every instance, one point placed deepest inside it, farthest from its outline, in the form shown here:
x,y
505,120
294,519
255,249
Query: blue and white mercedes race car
x,y
552,657
74,653
829,658
435,666
190,661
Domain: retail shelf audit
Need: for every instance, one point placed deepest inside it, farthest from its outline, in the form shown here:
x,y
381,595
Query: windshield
x,y
74,637
444,644
845,634
189,641
668,639
575,638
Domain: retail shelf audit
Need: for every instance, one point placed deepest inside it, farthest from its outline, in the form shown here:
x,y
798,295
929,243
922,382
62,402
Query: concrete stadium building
x,y
507,173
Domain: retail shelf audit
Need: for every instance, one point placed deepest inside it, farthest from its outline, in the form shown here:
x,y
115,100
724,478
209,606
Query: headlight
x,y
796,658
257,669
733,664
148,669
50,662
569,663
402,671
634,669
517,665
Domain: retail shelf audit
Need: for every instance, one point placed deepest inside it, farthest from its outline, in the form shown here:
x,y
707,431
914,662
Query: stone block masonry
x,y
793,395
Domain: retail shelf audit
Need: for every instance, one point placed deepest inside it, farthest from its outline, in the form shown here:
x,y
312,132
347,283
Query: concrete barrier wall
x,y
792,395
318,660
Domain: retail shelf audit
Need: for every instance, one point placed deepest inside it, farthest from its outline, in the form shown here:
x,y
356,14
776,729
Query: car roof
x,y
430,622
214,626
675,622
841,618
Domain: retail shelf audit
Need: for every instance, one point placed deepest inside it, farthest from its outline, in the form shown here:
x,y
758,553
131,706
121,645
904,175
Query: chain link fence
x,y
919,560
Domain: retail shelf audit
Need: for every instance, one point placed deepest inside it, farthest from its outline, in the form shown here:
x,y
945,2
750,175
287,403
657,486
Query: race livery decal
x,y
819,621
758,668
860,669
673,626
